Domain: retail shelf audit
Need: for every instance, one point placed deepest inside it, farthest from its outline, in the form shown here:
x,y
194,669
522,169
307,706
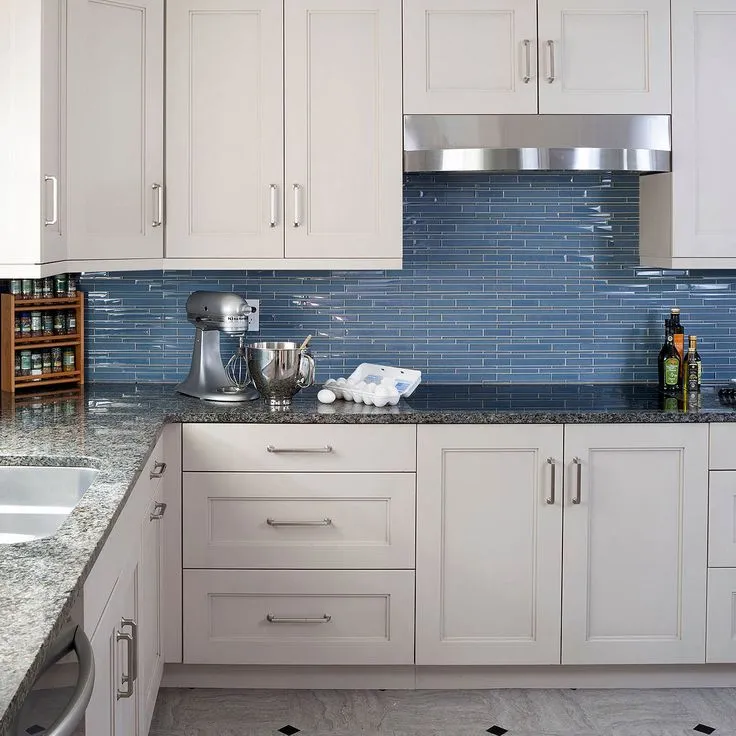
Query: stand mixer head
x,y
213,312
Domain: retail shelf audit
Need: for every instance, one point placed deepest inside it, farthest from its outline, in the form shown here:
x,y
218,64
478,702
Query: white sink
x,y
35,500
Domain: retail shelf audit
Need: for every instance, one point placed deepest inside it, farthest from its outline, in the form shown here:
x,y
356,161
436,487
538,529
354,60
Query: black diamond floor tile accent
x,y
289,730
497,730
702,728
35,729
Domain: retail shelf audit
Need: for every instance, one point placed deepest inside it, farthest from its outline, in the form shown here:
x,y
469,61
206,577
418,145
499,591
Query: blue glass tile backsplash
x,y
507,278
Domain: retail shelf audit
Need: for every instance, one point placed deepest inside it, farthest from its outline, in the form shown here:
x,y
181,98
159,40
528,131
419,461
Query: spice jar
x,y
59,323
71,285
36,363
27,289
25,324
71,322
17,364
57,364
60,284
37,292
48,288
17,327
47,323
36,328
16,288
25,362
68,359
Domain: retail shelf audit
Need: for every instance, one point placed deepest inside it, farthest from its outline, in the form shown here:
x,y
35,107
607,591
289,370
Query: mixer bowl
x,y
279,370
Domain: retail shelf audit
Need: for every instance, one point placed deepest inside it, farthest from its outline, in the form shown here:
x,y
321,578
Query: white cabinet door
x,y
635,558
343,129
150,655
224,129
489,538
470,57
721,615
722,519
115,129
604,57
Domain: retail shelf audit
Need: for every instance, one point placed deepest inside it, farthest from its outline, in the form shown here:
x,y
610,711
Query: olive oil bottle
x,y
694,367
669,364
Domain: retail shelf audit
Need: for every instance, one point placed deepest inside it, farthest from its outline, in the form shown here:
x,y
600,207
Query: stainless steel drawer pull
x,y
128,679
527,61
158,203
551,49
319,522
297,215
274,190
289,620
325,449
54,201
158,512
579,480
158,471
552,480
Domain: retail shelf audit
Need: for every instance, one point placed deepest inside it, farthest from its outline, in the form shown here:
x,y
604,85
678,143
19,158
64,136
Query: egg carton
x,y
376,385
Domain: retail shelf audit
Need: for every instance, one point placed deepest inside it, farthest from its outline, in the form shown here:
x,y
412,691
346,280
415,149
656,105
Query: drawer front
x,y
721,639
722,519
299,520
299,447
723,446
298,617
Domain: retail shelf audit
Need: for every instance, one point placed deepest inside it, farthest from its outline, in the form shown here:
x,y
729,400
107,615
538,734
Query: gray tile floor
x,y
185,712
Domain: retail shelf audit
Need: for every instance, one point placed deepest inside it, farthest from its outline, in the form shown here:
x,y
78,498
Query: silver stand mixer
x,y
213,312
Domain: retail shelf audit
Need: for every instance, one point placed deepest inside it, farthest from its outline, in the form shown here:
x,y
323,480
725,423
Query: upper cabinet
x,y
552,57
687,216
33,215
115,130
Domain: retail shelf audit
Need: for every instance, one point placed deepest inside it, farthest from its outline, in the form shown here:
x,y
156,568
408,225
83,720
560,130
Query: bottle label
x,y
679,340
671,372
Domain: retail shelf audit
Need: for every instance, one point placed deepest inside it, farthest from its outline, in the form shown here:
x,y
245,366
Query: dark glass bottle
x,y
670,367
693,368
662,354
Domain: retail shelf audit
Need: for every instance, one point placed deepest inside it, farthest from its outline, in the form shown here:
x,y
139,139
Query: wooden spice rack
x,y
10,306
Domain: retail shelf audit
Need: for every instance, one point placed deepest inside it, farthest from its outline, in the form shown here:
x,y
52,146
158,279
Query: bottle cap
x,y
675,310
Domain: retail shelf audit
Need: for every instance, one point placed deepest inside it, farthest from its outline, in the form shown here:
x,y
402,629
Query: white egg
x,y
371,388
326,396
341,382
393,397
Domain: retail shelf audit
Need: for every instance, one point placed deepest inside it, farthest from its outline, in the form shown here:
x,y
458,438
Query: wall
x,y
528,278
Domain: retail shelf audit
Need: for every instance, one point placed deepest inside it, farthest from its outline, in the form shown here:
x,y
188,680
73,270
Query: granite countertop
x,y
114,427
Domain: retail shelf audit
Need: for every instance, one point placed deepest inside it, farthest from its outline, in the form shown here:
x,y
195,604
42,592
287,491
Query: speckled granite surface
x,y
114,427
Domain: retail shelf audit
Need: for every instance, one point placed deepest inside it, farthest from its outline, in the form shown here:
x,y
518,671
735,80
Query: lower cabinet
x,y
299,617
721,645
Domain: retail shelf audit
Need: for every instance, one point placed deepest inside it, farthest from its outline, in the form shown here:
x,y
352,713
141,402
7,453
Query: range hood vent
x,y
636,143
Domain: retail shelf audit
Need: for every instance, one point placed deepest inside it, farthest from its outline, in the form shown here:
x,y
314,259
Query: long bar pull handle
x,y
158,203
289,620
325,449
158,471
159,509
317,522
578,480
527,61
297,213
552,480
551,76
274,191
131,641
54,201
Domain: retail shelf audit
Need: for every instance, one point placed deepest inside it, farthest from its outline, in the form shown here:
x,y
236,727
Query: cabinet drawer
x,y
722,519
299,520
721,639
722,446
298,617
299,447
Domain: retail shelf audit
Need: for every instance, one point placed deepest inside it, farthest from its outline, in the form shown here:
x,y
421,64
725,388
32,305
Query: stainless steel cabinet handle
x,y
158,471
158,204
297,215
54,201
158,512
274,191
552,480
325,449
551,69
579,480
527,61
288,620
318,522
128,679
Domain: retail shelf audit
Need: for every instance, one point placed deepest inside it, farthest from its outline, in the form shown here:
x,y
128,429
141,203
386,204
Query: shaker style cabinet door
x,y
224,129
115,129
343,129
635,557
604,57
489,545
470,57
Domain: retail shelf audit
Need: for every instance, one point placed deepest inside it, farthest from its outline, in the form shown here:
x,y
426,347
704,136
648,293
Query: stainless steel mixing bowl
x,y
279,370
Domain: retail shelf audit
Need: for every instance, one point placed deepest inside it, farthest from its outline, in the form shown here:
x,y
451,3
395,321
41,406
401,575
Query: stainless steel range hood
x,y
637,143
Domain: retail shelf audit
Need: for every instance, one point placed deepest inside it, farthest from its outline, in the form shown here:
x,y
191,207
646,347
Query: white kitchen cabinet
x,y
687,216
343,134
722,519
604,57
115,131
224,129
489,544
32,169
721,616
634,586
470,56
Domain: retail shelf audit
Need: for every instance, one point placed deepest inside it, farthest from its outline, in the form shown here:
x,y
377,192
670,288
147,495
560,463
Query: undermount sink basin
x,y
35,500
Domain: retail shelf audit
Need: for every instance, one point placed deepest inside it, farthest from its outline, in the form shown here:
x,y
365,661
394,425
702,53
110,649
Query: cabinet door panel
x,y
224,129
635,546
721,615
608,57
722,519
470,57
115,128
488,545
343,129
